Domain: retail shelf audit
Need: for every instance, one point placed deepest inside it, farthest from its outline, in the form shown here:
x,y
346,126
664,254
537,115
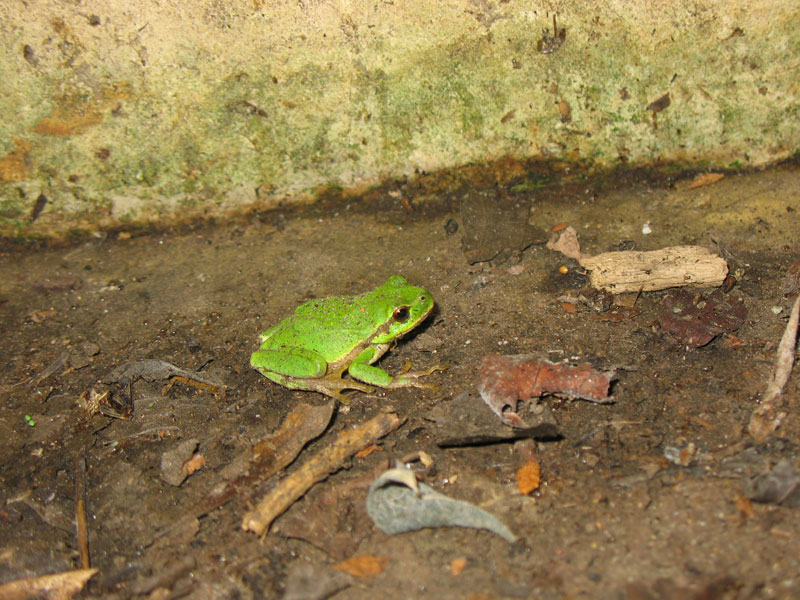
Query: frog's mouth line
x,y
384,329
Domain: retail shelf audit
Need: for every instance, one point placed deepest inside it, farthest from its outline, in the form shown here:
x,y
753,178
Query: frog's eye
x,y
401,314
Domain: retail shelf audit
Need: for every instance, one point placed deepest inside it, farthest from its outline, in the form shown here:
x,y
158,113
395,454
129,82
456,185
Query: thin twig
x,y
765,419
80,512
317,468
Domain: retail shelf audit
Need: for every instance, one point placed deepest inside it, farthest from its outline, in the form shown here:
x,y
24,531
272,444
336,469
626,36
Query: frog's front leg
x,y
362,369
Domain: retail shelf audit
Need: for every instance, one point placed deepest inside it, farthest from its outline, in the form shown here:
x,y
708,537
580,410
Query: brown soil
x,y
642,498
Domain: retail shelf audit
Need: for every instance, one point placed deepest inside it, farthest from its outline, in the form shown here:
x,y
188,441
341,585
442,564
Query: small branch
x,y
57,585
765,418
80,512
675,266
317,468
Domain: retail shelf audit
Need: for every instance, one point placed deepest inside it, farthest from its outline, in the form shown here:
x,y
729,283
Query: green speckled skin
x,y
312,349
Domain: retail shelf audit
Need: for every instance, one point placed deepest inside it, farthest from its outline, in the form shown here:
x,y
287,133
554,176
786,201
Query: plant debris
x,y
663,588
93,402
549,44
364,565
694,320
765,419
528,477
264,459
159,370
58,585
396,507
705,179
180,462
674,266
781,485
634,271
566,242
317,468
505,380
659,104
791,282
320,521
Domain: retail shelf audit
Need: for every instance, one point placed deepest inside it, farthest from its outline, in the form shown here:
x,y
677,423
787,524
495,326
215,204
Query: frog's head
x,y
404,306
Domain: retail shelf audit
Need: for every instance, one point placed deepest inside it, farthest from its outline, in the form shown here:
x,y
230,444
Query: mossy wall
x,y
131,112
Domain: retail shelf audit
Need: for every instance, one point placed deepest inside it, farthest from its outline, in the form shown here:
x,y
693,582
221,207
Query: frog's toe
x,y
411,379
406,370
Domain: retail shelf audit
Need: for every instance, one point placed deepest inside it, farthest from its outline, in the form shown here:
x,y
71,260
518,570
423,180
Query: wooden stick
x,y
57,585
674,266
80,513
266,458
318,467
764,419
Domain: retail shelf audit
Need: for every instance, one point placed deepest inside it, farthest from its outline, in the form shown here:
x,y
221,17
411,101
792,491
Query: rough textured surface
x,y
649,489
120,113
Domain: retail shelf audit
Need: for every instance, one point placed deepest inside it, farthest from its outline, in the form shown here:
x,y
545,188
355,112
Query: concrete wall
x,y
129,112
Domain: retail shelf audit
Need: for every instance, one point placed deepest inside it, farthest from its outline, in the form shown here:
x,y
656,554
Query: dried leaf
x,y
705,179
659,104
364,565
397,508
457,565
58,585
194,463
781,485
696,320
528,477
744,506
174,461
505,380
365,452
568,244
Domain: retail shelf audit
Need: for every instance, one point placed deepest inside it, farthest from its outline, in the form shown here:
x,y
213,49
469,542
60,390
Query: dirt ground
x,y
642,498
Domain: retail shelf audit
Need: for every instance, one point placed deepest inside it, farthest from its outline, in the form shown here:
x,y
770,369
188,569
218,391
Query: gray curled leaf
x,y
781,485
396,507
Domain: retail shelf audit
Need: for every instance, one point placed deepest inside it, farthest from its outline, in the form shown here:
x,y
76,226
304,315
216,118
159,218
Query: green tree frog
x,y
312,349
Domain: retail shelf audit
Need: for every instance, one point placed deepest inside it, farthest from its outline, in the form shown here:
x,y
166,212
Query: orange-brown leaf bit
x,y
705,179
457,565
363,565
365,452
528,477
